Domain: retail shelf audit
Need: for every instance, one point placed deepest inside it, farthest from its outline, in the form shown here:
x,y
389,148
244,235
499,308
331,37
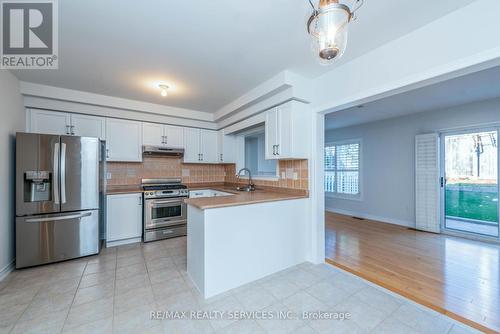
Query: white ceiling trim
x,y
274,86
63,94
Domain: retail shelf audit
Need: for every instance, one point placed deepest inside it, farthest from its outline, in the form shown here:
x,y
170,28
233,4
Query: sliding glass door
x,y
470,182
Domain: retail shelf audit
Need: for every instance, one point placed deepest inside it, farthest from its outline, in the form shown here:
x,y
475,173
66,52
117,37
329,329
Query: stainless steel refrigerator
x,y
57,198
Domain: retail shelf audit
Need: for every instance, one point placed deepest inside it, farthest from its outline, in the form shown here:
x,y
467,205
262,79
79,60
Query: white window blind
x,y
342,168
427,182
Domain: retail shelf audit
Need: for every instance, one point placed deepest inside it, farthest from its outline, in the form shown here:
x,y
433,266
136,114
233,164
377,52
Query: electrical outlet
x,y
108,176
185,172
289,173
283,175
295,175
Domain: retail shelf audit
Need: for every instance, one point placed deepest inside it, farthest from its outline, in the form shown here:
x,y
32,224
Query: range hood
x,y
164,151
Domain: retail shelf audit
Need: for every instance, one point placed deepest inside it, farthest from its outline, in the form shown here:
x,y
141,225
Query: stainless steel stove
x,y
165,213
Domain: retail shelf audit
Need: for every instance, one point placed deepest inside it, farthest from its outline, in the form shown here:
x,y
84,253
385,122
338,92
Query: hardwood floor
x,y
454,276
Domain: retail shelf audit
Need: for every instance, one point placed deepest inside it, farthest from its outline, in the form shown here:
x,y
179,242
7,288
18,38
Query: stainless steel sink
x,y
246,188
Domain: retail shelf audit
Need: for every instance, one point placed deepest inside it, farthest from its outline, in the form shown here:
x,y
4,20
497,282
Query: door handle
x,y
55,177
58,218
63,173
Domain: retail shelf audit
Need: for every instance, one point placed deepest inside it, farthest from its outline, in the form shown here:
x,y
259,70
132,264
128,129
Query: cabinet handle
x,y
72,130
107,153
166,140
202,157
199,157
68,129
163,139
277,150
140,200
274,149
221,159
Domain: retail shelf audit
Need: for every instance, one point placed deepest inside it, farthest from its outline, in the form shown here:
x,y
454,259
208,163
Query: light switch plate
x,y
295,175
185,172
283,175
108,176
289,173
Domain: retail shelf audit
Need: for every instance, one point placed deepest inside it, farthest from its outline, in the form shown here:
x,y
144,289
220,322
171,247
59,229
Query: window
x,y
255,153
342,168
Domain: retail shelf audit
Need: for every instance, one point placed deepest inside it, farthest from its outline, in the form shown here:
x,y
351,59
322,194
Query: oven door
x,y
164,212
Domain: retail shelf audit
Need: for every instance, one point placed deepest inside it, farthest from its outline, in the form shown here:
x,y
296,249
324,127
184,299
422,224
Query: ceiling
x,y
209,52
479,86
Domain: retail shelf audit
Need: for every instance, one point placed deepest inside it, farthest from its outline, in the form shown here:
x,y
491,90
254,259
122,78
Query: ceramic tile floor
x,y
115,292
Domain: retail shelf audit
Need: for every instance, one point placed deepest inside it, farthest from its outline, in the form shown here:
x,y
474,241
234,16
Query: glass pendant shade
x,y
329,30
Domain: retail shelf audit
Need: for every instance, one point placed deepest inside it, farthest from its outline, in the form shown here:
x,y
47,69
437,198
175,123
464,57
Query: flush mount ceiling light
x,y
163,90
328,27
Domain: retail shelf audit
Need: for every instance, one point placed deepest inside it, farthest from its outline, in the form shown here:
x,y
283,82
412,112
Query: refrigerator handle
x,y
63,173
55,177
51,219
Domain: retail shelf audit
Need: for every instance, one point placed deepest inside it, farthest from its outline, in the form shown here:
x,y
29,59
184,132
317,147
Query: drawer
x,y
165,233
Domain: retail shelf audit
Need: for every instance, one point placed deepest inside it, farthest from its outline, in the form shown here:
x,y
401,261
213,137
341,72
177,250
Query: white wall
x,y
388,158
12,120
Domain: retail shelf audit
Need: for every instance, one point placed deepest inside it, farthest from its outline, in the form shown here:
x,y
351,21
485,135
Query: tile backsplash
x,y
131,173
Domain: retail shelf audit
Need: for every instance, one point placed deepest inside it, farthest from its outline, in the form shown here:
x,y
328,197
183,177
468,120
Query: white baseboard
x,y
7,269
123,242
373,217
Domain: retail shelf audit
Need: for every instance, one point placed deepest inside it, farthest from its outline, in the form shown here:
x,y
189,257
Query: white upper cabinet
x,y
123,140
209,146
226,147
152,134
162,135
49,122
88,126
61,123
174,136
288,132
192,145
200,146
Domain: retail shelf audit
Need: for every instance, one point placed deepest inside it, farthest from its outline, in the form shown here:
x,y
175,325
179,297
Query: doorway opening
x,y
471,182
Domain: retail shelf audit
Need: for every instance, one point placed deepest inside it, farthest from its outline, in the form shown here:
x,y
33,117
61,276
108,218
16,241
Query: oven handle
x,y
156,203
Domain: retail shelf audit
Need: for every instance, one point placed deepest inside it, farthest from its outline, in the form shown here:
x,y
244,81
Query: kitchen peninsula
x,y
239,238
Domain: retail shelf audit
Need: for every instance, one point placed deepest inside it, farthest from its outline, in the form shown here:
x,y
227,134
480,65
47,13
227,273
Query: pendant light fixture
x,y
328,27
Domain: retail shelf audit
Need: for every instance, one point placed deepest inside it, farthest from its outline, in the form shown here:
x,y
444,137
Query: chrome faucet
x,y
250,186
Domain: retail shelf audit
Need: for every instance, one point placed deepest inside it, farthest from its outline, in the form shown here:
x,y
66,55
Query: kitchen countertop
x,y
260,195
124,189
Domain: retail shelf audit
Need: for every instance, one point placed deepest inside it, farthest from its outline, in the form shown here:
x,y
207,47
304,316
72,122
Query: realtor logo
x,y
29,34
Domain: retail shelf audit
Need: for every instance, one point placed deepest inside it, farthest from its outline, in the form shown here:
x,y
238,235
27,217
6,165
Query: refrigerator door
x,y
79,173
37,174
50,238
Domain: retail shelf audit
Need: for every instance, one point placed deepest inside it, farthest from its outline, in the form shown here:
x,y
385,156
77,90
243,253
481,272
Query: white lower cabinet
x,y
123,218
123,140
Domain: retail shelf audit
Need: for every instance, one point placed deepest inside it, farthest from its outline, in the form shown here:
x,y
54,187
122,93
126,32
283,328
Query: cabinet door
x,y
271,133
174,136
192,145
88,126
285,129
209,146
123,140
226,147
123,216
152,134
49,122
